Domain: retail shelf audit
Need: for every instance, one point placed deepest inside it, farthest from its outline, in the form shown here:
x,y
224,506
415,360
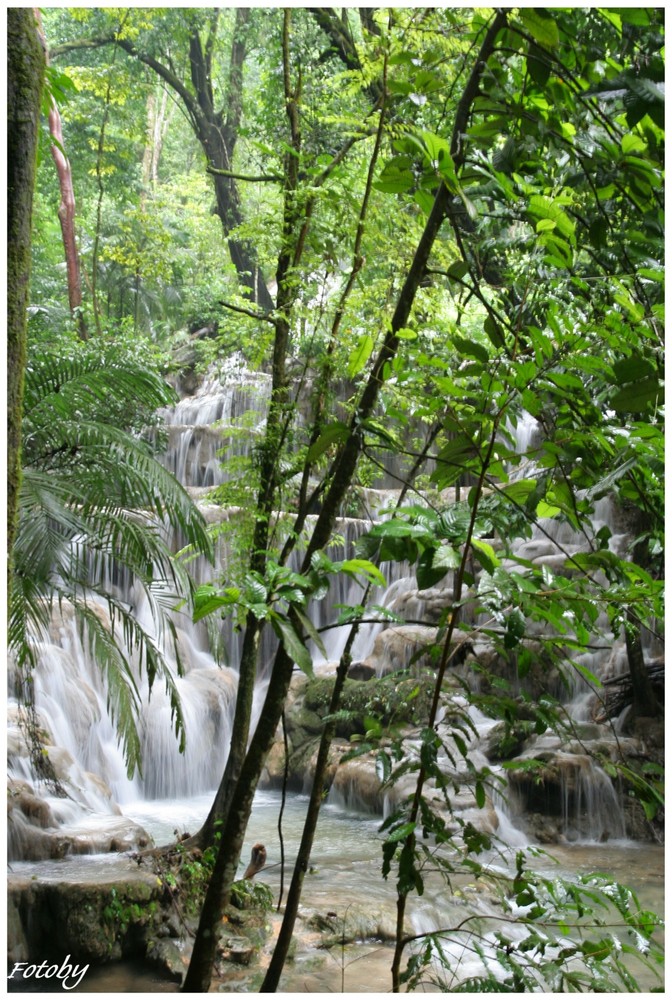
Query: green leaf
x,y
470,348
520,490
446,557
295,648
383,767
631,369
541,26
648,91
426,573
311,631
401,832
494,332
425,200
538,65
256,591
480,794
458,269
485,555
207,600
638,396
548,210
365,568
587,674
337,431
360,355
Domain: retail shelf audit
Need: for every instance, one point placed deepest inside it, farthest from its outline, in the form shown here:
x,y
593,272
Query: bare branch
x,y
253,178
248,312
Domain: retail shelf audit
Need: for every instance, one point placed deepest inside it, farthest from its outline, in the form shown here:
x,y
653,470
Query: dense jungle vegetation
x,y
423,225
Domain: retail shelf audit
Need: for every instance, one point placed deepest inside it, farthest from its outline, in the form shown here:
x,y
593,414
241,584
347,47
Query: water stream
x,y
175,791
345,872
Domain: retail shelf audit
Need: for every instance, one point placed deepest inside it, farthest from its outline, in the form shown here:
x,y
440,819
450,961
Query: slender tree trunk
x,y
158,118
276,965
148,152
644,701
218,136
25,77
281,950
268,474
161,122
66,217
66,210
233,832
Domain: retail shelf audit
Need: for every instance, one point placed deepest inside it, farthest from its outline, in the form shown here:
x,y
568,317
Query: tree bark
x,y
276,965
25,78
218,138
645,703
66,217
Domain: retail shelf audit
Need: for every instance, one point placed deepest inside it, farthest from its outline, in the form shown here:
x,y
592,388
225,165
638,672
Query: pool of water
x,y
344,871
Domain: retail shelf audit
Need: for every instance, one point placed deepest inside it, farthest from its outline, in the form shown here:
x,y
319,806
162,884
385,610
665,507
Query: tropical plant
x,y
95,508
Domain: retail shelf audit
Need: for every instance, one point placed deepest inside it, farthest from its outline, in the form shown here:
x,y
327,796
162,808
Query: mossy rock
x,y
96,922
391,700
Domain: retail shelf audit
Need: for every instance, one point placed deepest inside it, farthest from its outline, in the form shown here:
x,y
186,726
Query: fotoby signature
x,y
71,975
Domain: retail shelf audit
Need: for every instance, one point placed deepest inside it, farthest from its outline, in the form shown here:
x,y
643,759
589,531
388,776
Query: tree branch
x,y
255,179
248,312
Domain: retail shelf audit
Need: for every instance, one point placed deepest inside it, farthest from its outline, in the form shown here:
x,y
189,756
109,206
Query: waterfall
x,y
207,433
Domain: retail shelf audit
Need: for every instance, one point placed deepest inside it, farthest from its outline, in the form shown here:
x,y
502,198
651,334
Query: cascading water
x,y
71,704
204,440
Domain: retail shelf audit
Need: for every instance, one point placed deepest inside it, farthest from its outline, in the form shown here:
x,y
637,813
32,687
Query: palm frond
x,y
96,515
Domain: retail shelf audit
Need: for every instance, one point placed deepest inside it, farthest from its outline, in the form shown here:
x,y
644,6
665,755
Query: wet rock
x,y
238,950
399,646
165,955
575,796
503,742
95,922
355,923
37,811
358,785
361,672
28,840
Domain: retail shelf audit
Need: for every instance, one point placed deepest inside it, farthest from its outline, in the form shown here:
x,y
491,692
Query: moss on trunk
x,y
25,77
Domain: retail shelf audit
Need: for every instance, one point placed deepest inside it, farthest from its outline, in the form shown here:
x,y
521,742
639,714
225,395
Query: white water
x,y
71,701
345,872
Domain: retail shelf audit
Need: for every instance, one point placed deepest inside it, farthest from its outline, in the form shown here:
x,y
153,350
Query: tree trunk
x,y
218,137
158,118
233,831
644,701
66,210
276,965
66,217
25,77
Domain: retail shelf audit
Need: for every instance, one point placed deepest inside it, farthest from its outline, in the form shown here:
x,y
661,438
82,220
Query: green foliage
x,y
248,895
93,504
120,915
280,596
